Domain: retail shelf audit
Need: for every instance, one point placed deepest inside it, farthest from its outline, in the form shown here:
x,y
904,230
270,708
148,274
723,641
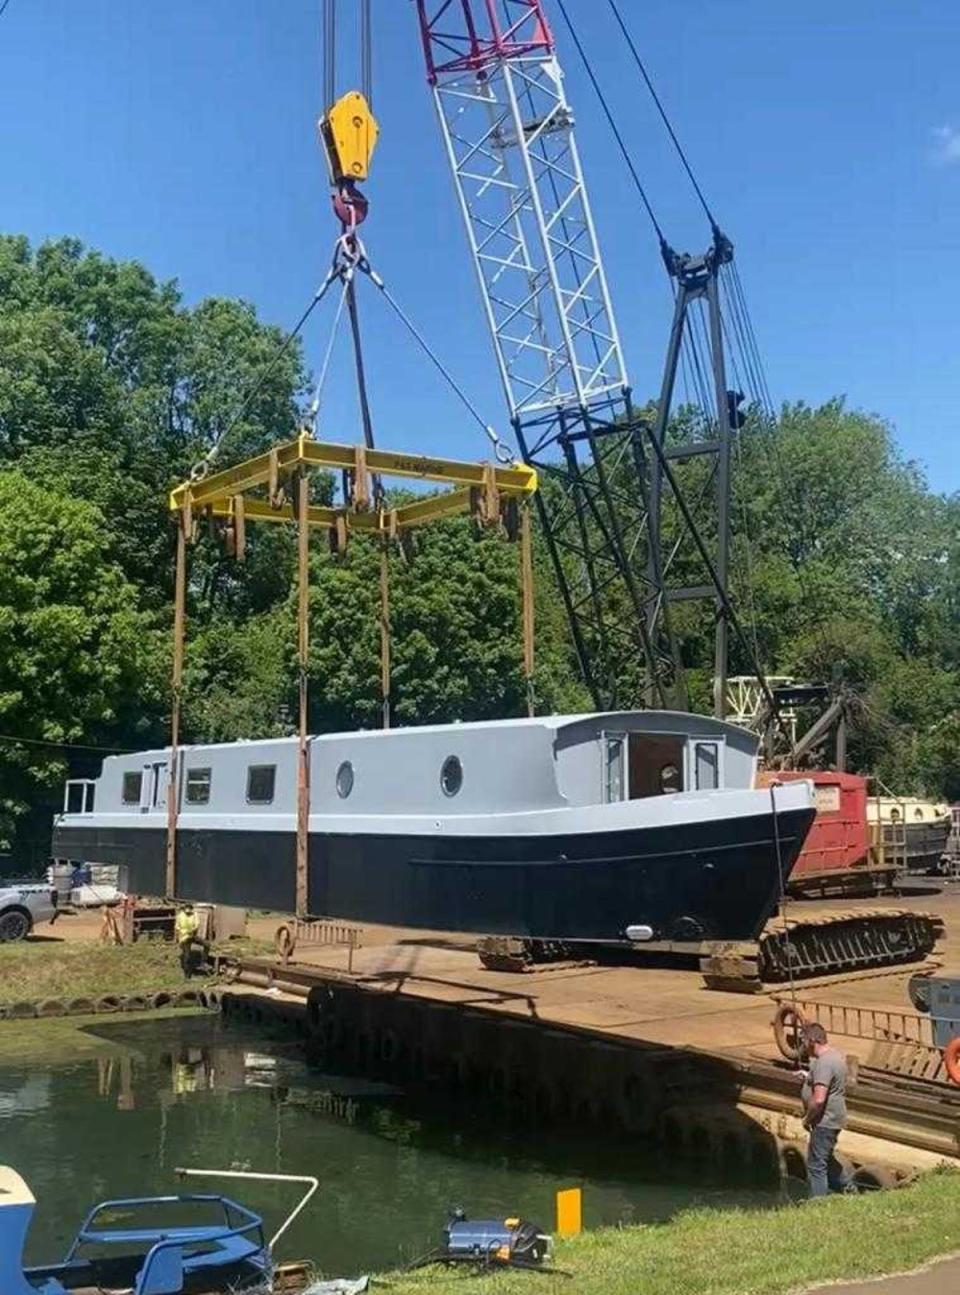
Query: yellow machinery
x,y
491,492
349,132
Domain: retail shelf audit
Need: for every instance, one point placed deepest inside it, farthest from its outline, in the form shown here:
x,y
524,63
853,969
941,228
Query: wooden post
x,y
179,621
526,581
385,631
303,649
239,528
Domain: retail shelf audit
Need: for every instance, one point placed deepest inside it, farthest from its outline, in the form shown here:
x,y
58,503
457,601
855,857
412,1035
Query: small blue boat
x,y
125,1246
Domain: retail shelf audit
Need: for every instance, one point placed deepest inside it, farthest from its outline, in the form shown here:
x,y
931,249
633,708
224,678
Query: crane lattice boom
x,y
508,131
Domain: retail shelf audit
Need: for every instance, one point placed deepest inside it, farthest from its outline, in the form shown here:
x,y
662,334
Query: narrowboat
x,y
639,825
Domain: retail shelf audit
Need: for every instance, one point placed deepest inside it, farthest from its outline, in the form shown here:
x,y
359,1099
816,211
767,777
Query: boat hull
x,y
716,879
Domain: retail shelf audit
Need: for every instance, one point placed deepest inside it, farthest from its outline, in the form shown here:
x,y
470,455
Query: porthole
x,y
451,775
345,780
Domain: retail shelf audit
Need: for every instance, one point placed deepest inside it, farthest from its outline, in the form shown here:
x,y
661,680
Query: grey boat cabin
x,y
566,827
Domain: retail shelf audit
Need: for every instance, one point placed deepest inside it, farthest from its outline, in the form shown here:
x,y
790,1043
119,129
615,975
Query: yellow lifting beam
x,y
475,485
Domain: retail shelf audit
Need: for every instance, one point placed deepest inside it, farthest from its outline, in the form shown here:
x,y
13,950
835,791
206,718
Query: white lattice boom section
x,y
747,702
508,131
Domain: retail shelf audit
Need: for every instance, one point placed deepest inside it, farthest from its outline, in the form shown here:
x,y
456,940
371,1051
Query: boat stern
x,y
16,1212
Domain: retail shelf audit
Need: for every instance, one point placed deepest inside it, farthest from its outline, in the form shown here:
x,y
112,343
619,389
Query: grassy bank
x,y
65,1040
740,1252
35,969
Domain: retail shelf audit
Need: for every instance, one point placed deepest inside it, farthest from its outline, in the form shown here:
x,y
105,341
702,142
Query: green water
x,y
197,1091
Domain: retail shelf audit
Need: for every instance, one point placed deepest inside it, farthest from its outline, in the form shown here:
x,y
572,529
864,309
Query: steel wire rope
x,y
366,52
737,343
199,469
313,410
748,321
329,53
7,739
701,325
793,513
743,327
608,113
699,349
755,381
745,517
746,340
778,849
504,454
694,341
698,340
660,109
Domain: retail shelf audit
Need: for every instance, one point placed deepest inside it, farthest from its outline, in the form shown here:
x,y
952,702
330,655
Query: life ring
x,y
285,941
951,1060
788,1027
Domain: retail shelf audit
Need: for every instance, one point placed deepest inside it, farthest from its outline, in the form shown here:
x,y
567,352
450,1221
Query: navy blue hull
x,y
716,880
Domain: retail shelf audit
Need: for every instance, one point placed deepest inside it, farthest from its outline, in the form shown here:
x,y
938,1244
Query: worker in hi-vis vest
x,y
185,929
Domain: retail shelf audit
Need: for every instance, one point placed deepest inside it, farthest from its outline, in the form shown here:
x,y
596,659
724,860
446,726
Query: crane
x,y
621,558
606,468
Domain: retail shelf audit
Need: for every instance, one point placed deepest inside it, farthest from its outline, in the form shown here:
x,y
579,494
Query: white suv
x,y
22,905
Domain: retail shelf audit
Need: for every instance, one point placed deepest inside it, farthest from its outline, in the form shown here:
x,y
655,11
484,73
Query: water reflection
x,y
199,1092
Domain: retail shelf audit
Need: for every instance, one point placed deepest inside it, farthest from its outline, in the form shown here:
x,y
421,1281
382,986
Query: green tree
x,y
72,643
112,389
455,639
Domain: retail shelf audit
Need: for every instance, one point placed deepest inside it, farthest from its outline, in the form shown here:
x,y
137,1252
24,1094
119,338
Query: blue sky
x,y
827,137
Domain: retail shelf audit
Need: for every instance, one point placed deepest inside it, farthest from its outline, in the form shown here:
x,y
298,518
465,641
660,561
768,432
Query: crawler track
x,y
838,942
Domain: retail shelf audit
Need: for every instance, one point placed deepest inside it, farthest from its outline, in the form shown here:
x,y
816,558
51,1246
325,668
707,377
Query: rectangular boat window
x,y
198,786
707,763
261,779
132,787
613,781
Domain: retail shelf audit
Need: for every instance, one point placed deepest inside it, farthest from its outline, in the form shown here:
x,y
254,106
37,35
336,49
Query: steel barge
x,y
641,825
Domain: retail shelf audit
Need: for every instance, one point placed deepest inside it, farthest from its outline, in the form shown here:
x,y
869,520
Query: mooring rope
x,y
778,848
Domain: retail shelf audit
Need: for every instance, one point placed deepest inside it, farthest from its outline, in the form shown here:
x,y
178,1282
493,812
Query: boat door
x,y
614,766
153,787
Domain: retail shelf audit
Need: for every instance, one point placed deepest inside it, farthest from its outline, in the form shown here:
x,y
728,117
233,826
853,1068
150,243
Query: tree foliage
x,y
111,388
72,649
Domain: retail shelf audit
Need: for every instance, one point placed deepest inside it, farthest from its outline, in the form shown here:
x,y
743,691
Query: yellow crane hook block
x,y
349,133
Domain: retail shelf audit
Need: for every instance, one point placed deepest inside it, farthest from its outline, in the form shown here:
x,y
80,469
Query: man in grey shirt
x,y
824,1111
